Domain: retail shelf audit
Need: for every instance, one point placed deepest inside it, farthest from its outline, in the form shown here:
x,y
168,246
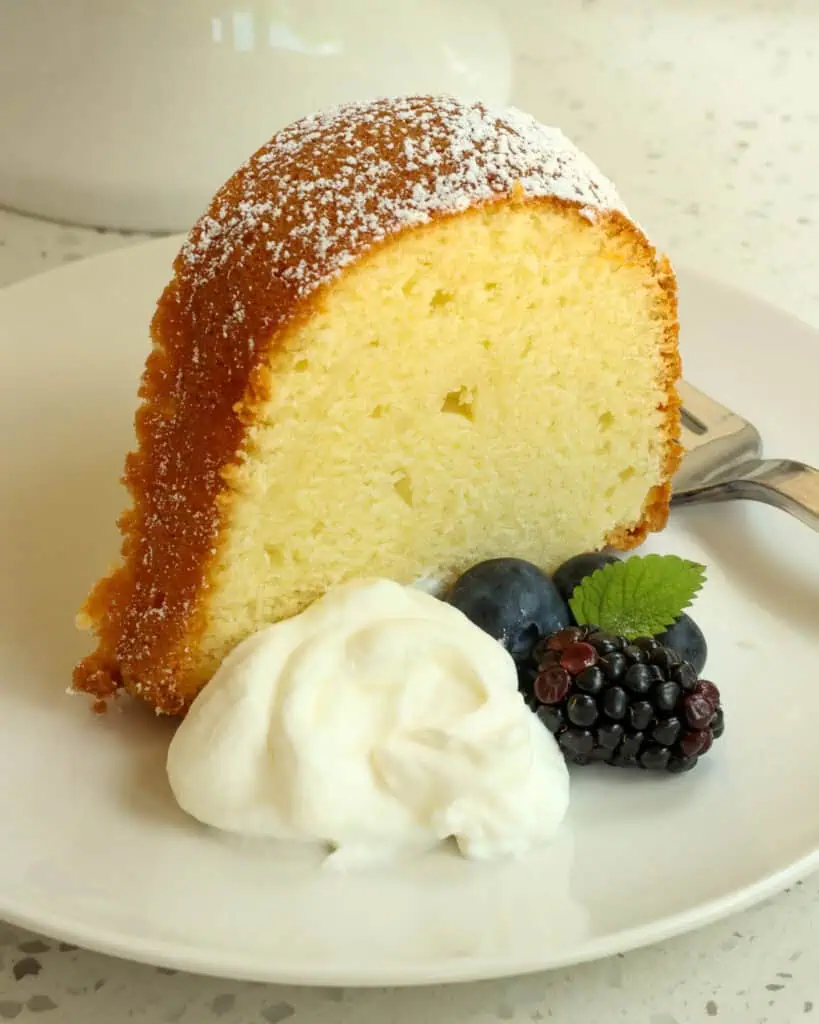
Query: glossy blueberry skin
x,y
511,600
576,569
687,639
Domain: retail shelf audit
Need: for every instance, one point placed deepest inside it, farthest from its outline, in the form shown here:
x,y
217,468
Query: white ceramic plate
x,y
94,849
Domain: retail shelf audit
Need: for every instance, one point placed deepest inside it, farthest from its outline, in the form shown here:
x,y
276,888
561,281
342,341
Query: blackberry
x,y
627,703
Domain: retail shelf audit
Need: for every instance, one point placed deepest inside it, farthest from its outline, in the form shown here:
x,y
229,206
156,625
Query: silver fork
x,y
723,461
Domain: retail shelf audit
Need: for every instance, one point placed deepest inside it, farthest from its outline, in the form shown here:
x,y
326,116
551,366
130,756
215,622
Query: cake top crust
x,y
329,186
316,198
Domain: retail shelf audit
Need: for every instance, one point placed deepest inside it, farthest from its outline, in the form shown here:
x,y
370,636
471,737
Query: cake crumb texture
x,y
406,336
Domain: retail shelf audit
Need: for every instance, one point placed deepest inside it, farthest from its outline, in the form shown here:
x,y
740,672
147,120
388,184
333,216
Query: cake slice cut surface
x,y
406,336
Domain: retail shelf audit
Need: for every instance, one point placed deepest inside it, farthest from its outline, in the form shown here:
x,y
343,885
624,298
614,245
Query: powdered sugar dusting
x,y
306,205
329,186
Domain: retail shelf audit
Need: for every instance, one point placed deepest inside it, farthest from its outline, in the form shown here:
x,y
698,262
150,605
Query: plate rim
x,y
163,954
224,963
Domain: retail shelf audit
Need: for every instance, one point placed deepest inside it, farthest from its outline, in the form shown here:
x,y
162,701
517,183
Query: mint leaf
x,y
639,597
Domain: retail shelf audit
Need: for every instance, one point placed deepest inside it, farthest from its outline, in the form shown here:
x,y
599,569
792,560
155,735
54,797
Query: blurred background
x,y
127,116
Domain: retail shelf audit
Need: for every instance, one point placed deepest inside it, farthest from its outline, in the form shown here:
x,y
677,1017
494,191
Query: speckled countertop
x,y
706,114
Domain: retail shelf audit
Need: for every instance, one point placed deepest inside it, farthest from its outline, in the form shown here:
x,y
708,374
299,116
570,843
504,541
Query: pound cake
x,y
405,336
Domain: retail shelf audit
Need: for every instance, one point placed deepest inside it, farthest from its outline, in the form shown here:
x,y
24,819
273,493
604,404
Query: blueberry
x,y
513,601
686,638
576,569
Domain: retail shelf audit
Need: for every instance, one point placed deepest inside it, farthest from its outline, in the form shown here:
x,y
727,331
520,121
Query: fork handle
x,y
791,486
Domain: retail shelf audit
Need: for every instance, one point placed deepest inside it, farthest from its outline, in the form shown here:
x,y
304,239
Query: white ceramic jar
x,y
131,114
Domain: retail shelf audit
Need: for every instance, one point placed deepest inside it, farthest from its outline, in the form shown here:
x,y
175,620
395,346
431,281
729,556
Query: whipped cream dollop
x,y
379,721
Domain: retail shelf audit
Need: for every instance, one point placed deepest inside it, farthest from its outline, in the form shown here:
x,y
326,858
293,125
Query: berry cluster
x,y
518,604
622,702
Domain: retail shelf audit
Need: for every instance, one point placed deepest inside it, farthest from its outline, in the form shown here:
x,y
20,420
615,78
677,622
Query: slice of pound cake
x,y
406,336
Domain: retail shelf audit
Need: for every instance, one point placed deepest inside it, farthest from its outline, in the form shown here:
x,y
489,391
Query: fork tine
x,y
707,413
716,439
724,460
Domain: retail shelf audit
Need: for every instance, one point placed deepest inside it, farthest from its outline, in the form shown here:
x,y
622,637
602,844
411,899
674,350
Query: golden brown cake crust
x,y
320,195
658,502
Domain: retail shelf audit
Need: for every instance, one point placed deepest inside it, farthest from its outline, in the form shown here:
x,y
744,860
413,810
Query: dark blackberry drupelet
x,y
627,703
